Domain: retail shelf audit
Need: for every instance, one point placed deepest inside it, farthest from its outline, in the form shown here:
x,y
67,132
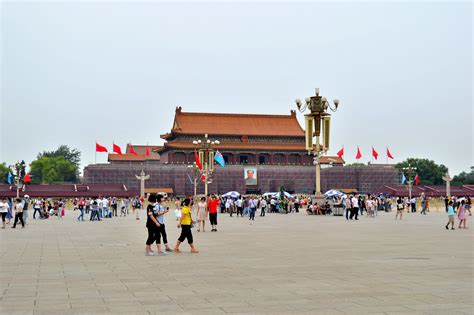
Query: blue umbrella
x,y
333,193
231,194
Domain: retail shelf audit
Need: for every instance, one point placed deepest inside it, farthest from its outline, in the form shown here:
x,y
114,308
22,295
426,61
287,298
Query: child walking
x,y
450,215
462,215
185,225
400,208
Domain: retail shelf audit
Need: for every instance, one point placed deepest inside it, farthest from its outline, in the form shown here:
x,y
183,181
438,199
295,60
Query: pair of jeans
x,y
252,214
39,211
81,215
95,213
25,215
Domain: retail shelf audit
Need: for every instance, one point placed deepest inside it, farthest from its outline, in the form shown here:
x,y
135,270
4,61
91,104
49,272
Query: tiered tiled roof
x,y
235,124
240,145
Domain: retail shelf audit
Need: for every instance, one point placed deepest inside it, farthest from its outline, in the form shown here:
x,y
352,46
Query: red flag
x,y
147,151
389,155
374,153
359,155
203,178
132,151
416,179
27,178
196,157
117,149
340,153
99,148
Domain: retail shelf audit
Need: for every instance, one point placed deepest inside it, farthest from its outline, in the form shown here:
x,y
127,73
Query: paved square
x,y
278,264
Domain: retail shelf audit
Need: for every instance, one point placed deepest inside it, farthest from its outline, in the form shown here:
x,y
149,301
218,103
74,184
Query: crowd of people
x,y
96,208
207,208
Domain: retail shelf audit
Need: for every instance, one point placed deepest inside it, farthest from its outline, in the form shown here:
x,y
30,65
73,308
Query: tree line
x,y
57,166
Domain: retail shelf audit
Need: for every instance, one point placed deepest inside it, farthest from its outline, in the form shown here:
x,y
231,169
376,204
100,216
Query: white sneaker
x,y
150,254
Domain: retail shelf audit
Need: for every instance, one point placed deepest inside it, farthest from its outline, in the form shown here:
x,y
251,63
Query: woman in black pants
x,y
152,225
185,225
18,214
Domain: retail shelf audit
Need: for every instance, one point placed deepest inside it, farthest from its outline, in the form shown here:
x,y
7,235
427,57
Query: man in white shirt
x,y
238,204
263,205
37,207
227,206
100,204
355,207
105,207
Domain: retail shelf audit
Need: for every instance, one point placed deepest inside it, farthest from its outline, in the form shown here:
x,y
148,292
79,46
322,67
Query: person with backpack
x,y
253,208
25,203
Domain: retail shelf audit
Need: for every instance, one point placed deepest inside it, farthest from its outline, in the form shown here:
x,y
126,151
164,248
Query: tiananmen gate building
x,y
271,145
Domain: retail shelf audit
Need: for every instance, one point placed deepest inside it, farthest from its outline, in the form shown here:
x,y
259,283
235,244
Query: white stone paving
x,y
279,264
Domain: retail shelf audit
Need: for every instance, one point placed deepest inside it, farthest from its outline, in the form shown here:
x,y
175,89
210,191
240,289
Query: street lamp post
x,y
318,119
409,170
19,167
206,157
196,176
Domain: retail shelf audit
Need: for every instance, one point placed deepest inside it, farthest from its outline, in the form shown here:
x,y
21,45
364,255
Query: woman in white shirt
x,y
3,211
18,214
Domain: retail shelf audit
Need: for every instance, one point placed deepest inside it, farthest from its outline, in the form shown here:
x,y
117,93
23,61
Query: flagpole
x,y
386,155
95,159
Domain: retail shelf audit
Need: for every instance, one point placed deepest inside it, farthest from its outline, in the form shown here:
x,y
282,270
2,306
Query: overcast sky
x,y
74,73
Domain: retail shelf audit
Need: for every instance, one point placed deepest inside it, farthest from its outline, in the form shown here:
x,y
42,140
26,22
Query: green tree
x,y
4,170
71,155
52,170
464,178
428,171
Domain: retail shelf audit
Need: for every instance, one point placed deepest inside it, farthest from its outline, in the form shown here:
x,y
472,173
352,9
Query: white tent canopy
x,y
231,194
